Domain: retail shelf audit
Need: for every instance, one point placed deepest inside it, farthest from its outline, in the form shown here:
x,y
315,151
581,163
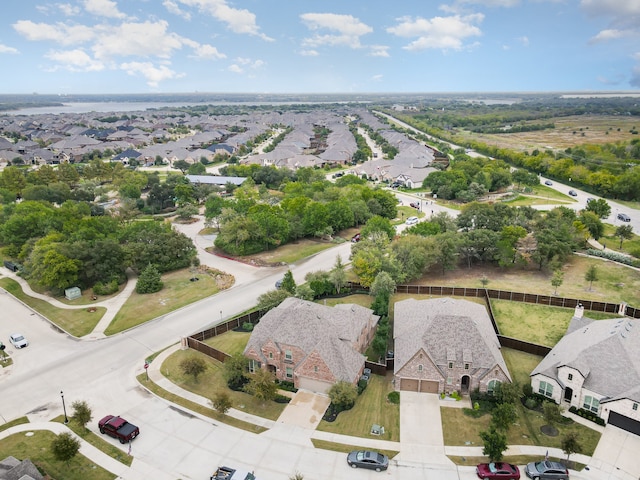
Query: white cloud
x,y
6,49
75,60
235,68
309,53
377,78
491,3
524,41
243,64
208,52
349,29
152,73
623,15
145,39
68,9
173,7
238,20
103,8
378,51
446,33
59,33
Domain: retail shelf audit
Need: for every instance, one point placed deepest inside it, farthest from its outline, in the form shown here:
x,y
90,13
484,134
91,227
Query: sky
x,y
310,46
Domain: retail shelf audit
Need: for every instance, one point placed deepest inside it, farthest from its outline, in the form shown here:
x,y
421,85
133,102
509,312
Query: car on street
x,y
368,459
18,340
411,220
498,470
548,183
546,470
573,193
624,217
414,205
279,283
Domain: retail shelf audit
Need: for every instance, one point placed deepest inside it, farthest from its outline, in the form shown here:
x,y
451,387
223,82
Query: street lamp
x,y
64,408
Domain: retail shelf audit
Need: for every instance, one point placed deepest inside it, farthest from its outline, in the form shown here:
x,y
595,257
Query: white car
x,y
411,220
18,340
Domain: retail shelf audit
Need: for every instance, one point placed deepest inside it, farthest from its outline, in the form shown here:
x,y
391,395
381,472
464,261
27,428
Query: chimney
x,y
579,311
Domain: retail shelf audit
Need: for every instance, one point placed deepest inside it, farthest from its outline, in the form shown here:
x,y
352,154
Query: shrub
x,y
362,385
394,397
247,326
613,256
281,399
105,288
285,385
531,403
527,390
343,395
469,412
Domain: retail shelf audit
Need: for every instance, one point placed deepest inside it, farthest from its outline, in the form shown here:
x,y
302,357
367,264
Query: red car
x,y
504,471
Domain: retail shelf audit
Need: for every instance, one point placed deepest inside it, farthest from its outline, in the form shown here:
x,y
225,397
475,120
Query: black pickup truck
x,y
118,427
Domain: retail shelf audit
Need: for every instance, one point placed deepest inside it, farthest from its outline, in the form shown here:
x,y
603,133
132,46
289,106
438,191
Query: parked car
x,y
368,459
119,428
624,217
548,183
279,283
499,470
18,340
411,220
573,193
414,205
546,470
355,238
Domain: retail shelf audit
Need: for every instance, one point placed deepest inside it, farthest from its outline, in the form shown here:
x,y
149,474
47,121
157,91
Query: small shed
x,y
72,293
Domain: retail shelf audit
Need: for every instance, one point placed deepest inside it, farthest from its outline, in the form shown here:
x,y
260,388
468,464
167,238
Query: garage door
x,y
409,384
313,385
427,386
625,423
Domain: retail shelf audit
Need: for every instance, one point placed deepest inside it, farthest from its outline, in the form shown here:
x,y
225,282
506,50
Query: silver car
x,y
368,459
546,470
18,340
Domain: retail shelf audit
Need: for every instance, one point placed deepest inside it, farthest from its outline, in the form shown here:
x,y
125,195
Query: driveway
x,y
305,410
616,455
421,437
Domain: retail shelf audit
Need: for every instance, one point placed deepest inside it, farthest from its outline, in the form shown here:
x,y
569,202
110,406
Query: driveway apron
x,y
617,454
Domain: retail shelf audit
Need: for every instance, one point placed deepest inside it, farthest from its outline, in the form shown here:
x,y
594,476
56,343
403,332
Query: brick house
x,y
595,366
445,345
312,345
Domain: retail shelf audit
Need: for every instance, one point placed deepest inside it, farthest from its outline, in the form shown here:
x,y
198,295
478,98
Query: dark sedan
x,y
368,459
498,470
546,470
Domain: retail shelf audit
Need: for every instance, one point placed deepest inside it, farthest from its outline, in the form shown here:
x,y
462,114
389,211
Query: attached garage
x,y
313,385
427,386
624,422
409,384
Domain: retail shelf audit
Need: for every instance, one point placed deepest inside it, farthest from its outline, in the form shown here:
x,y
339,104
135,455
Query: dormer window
x,y
570,376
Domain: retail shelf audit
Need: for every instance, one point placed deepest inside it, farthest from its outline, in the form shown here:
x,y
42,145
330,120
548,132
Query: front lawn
x,y
230,342
211,382
372,407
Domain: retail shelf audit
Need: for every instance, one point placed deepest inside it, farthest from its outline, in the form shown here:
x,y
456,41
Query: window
x,y
466,366
271,355
419,368
591,403
315,368
449,381
570,376
289,372
253,366
545,389
492,385
635,406
450,364
288,357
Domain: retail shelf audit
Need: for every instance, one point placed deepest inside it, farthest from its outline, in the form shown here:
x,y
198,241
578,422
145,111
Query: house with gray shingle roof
x,y
445,345
595,366
312,345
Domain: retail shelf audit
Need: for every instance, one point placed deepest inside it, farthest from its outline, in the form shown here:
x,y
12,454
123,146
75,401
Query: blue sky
x,y
307,46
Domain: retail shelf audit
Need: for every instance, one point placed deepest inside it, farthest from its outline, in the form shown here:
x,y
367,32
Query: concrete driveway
x,y
617,454
421,437
305,410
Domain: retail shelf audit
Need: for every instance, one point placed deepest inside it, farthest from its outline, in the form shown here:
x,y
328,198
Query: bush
x,y
469,412
588,414
531,403
106,288
362,385
281,399
247,327
285,385
613,256
394,397
527,390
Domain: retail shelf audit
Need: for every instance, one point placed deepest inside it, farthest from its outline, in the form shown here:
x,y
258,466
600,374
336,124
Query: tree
x,y
181,165
383,285
343,395
193,366
221,402
599,206
495,444
262,385
624,232
592,223
271,299
149,280
552,413
81,412
556,280
338,274
508,392
288,283
447,255
591,275
503,416
570,444
234,370
64,447
187,211
378,224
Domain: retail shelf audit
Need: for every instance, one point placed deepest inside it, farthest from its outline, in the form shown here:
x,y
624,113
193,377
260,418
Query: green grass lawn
x,y
37,448
372,407
613,243
230,342
529,200
77,322
211,382
177,292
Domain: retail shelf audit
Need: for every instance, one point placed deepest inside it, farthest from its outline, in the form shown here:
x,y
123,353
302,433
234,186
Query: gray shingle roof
x,y
606,352
446,328
331,331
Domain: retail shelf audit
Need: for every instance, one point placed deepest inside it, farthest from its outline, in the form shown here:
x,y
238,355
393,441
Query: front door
x,y
568,394
464,384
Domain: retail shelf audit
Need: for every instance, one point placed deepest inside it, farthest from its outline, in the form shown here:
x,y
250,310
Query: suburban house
x,y
444,345
595,366
312,345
